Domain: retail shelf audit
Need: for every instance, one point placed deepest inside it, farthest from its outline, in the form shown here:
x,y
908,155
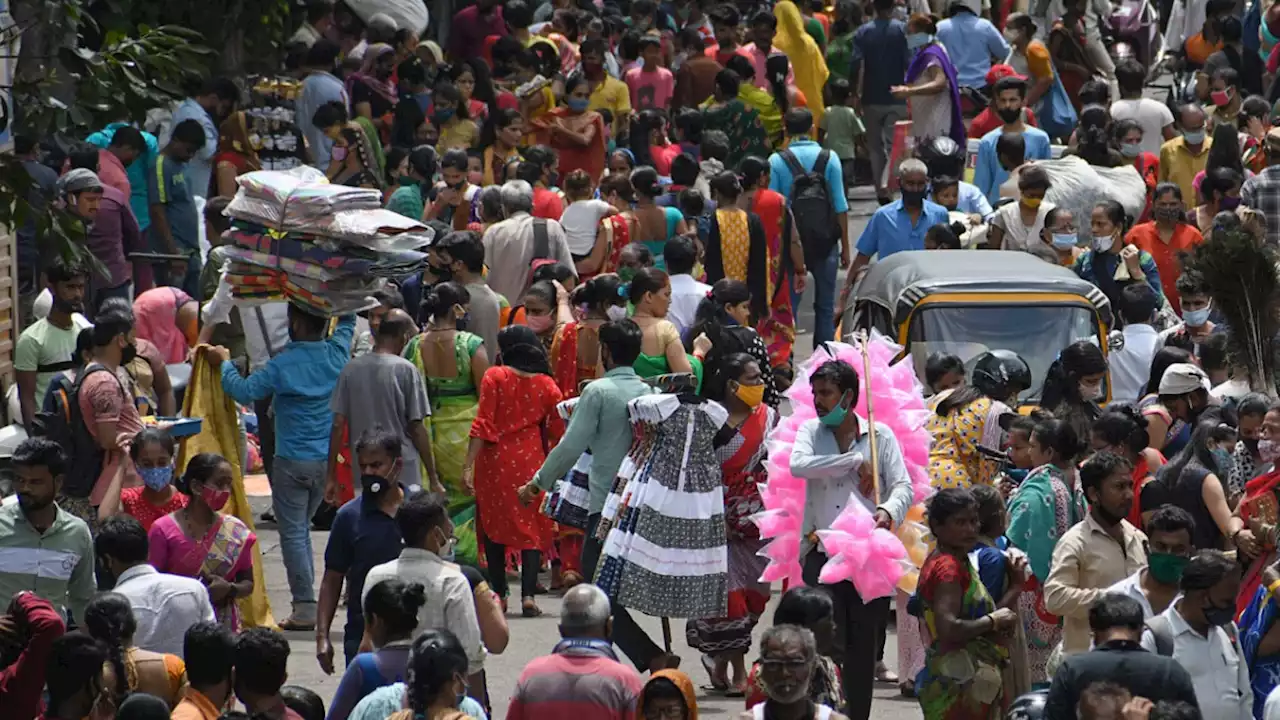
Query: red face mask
x,y
1220,98
215,499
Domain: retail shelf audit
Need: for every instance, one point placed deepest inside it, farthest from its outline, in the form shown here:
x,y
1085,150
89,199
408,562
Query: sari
x,y
741,452
225,551
570,372
1264,672
959,682
743,124
617,234
766,107
737,249
589,158
807,61
371,149
1042,509
778,328
930,55
454,402
1260,505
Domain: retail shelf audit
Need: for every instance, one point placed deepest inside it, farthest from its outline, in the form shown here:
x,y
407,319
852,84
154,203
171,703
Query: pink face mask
x,y
539,323
339,153
1220,98
475,177
215,499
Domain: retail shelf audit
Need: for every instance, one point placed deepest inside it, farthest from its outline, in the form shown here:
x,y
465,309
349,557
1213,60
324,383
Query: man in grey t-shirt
x,y
459,256
384,390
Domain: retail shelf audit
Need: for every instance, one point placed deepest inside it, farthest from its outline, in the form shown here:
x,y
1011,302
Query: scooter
x,y
1135,31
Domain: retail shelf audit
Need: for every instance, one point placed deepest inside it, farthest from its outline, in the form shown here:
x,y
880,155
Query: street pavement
x,y
533,637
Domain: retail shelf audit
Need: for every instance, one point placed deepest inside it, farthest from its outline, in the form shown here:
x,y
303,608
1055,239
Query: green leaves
x,y
60,232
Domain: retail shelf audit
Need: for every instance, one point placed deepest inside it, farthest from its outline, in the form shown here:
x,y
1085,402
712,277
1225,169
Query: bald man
x,y
382,389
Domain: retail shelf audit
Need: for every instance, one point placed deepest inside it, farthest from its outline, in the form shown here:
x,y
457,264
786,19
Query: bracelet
x,y
1274,587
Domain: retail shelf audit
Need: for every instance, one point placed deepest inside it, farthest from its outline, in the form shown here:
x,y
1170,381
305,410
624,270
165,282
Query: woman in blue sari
x,y
1260,639
931,86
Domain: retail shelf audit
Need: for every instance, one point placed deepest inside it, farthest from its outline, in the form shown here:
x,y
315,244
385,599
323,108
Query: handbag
x,y
1056,114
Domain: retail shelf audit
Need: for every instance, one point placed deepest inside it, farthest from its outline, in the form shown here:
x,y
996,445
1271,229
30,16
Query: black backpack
x,y
61,421
811,206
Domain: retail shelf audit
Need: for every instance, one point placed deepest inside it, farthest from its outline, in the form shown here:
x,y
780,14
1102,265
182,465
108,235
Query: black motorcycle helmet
x,y
1001,374
943,156
1029,706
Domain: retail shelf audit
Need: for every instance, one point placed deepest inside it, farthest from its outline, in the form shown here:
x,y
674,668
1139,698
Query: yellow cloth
x,y
807,61
1179,166
614,96
735,242
458,134
763,103
954,460
220,434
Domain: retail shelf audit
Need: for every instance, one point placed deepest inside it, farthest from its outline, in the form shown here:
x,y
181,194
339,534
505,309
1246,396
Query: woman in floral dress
x,y
152,453
508,445
726,111
1043,508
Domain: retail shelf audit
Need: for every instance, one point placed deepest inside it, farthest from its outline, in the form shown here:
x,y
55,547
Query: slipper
x,y
530,609
709,664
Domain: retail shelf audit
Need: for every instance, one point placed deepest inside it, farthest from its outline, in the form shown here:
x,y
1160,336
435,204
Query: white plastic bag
x,y
411,14
1077,186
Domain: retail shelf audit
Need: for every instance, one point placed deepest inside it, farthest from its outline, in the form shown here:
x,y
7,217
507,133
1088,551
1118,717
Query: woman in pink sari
x,y
200,542
167,317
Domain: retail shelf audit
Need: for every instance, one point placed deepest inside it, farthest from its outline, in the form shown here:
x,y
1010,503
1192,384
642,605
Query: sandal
x,y
529,608
570,579
716,684
884,674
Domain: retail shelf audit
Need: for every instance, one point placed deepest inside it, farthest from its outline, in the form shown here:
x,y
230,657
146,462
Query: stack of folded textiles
x,y
326,248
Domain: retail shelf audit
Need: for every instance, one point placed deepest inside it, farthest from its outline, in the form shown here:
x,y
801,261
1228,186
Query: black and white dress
x,y
663,524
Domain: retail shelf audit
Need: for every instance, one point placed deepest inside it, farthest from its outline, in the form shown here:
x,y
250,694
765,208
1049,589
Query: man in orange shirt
x,y
209,650
1167,238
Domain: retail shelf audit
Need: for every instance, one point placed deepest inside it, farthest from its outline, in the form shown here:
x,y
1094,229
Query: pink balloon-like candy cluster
x,y
874,560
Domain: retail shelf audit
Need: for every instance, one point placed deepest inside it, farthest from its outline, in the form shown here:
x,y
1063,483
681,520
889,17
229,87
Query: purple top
x,y
113,234
921,61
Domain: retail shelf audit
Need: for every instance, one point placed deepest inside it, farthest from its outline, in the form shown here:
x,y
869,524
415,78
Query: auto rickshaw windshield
x,y
1037,333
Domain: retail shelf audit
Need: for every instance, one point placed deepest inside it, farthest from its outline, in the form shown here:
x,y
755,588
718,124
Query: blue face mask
x,y
1064,241
1017,475
1195,137
1196,318
837,414
918,40
157,478
578,104
1131,150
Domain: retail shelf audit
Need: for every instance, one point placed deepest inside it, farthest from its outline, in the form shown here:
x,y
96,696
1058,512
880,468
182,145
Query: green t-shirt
x,y
46,349
841,125
813,26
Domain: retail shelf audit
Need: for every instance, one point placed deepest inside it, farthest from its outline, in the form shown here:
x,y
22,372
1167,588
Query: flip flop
x,y
709,664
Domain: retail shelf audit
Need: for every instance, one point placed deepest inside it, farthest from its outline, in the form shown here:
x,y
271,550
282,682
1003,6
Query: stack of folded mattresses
x,y
326,248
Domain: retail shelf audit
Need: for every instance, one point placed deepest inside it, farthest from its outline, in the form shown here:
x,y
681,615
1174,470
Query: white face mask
x,y
1103,243
1091,392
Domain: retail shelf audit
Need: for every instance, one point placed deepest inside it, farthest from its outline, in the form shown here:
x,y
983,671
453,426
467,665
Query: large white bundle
x,y
1077,186
408,14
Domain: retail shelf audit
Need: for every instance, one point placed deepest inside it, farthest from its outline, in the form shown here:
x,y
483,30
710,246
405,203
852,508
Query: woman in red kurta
x,y
508,445
785,261
576,132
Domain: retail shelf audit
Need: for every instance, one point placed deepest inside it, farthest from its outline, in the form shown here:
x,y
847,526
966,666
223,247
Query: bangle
x,y
1274,587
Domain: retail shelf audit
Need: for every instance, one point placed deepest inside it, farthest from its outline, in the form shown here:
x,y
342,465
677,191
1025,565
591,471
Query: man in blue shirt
x,y
900,225
881,44
301,378
993,164
971,42
798,124
209,107
175,224
319,88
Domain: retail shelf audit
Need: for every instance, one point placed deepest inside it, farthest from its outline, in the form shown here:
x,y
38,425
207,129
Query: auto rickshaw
x,y
966,302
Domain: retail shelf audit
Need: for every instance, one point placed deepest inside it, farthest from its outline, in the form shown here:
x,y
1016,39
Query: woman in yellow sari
x,y
807,61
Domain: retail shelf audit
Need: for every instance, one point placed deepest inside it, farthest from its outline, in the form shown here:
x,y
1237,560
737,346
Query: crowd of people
x,y
627,202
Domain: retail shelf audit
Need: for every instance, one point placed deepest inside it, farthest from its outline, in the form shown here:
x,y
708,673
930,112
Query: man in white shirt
x,y
164,605
1131,364
1154,116
1169,548
686,293
1198,632
427,558
828,455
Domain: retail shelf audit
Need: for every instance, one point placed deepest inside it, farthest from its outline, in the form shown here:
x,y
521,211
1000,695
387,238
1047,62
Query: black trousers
x,y
859,627
530,562
630,638
266,434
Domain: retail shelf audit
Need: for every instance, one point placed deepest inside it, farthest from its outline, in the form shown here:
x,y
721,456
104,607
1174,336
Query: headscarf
x,y
233,137
682,682
807,62
520,348
366,76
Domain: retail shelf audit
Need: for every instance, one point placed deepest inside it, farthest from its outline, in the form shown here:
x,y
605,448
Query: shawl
x,y
762,102
934,51
366,76
807,61
233,137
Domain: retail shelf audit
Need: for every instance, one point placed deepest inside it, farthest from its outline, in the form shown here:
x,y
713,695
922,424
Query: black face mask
x,y
443,272
913,198
129,352
462,322
1219,616
65,306
1252,444
1009,115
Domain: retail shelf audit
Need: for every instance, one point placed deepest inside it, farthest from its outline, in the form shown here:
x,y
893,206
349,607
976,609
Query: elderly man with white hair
x,y
516,246
582,674
901,224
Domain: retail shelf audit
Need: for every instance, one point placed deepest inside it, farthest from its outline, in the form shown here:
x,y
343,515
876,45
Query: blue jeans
x,y
825,276
297,489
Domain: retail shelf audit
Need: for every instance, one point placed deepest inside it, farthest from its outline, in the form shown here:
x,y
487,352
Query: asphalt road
x,y
532,637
